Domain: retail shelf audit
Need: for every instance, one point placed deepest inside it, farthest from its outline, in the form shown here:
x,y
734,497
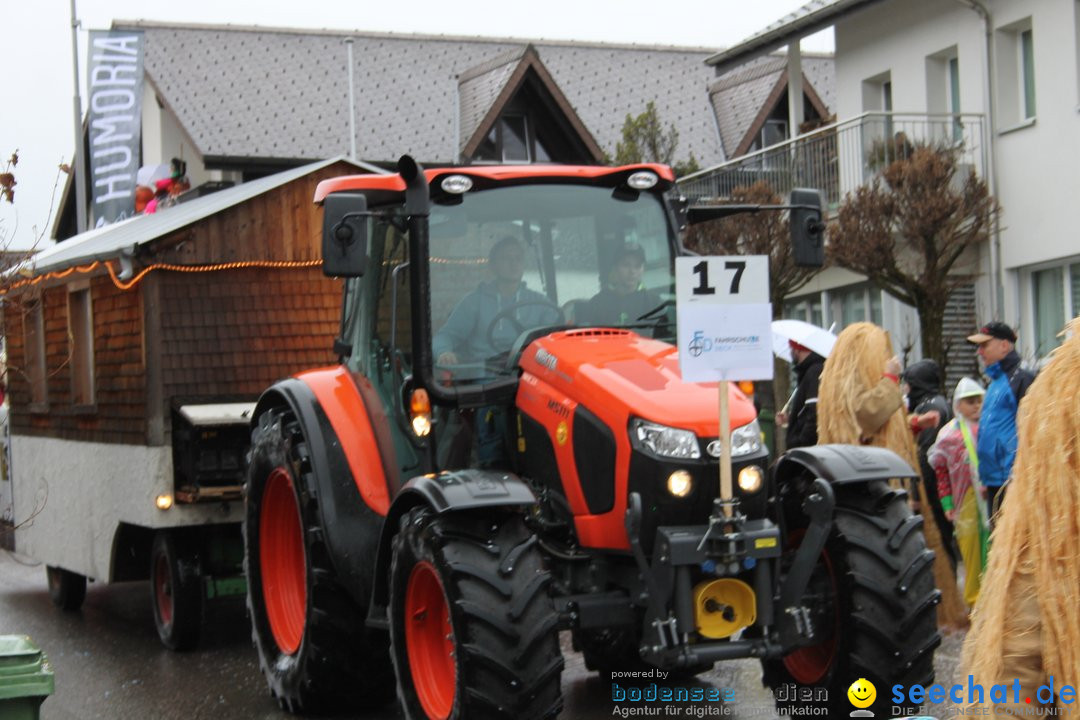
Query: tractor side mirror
x,y
344,235
807,229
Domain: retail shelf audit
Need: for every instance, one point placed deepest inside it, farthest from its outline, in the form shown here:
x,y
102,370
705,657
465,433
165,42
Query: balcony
x,y
840,157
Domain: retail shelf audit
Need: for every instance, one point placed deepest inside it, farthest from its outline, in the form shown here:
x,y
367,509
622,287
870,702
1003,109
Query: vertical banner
x,y
114,80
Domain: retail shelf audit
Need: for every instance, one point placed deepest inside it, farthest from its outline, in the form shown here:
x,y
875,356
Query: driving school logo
x,y
699,344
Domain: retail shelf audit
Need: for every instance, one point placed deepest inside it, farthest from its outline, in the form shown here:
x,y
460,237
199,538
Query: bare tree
x,y
761,233
910,228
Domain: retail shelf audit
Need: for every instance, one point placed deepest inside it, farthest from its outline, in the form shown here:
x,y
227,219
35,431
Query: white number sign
x,y
725,318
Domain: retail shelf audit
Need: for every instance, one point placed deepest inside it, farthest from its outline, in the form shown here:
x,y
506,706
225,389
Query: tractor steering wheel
x,y
508,314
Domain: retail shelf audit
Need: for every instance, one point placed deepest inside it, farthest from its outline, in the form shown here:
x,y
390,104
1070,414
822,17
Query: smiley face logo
x,y
862,693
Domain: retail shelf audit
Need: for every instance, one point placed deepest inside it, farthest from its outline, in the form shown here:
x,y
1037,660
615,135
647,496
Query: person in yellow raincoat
x,y
956,465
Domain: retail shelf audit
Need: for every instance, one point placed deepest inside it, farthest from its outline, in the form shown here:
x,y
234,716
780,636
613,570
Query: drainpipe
x,y
352,102
991,101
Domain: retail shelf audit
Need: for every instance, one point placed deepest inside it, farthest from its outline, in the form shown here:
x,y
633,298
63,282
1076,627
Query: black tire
x,y
66,589
176,590
876,576
485,583
317,655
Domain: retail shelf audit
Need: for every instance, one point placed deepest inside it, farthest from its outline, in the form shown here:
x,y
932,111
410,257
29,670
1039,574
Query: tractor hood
x,y
620,374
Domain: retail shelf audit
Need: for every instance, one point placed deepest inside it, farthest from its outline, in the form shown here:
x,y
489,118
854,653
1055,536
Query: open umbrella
x,y
810,336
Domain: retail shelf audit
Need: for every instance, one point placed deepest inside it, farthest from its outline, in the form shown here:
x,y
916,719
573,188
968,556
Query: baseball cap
x,y
992,330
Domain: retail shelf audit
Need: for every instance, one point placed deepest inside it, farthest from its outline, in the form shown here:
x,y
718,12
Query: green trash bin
x,y
26,678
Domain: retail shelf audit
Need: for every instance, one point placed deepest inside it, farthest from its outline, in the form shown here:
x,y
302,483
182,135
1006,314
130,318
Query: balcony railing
x,y
840,157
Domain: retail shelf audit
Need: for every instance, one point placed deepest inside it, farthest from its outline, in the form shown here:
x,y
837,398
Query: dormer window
x,y
512,140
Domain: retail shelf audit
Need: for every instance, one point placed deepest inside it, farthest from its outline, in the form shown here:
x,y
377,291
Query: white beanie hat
x,y
967,388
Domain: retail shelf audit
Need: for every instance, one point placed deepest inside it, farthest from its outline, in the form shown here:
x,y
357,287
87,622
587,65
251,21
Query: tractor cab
x,y
446,290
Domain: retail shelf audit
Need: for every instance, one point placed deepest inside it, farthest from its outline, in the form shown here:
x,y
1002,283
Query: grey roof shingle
x,y
480,86
264,93
738,96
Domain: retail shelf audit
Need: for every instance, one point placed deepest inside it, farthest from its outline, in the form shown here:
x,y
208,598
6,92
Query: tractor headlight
x,y
750,479
679,483
665,441
746,440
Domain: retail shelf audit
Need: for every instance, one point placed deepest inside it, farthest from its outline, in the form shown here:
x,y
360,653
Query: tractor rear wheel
x,y
175,591
875,599
310,636
67,589
472,626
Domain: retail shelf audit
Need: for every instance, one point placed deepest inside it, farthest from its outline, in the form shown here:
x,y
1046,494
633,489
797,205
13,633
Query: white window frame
x,y
1015,76
1027,279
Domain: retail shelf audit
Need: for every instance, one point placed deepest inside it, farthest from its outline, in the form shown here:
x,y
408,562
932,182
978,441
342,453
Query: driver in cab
x,y
623,299
489,319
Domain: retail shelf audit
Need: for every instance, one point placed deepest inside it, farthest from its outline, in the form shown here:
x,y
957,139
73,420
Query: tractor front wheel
x,y
473,629
873,596
313,648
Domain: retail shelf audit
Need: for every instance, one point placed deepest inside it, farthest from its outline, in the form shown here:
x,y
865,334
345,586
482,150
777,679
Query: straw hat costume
x,y
857,405
1027,623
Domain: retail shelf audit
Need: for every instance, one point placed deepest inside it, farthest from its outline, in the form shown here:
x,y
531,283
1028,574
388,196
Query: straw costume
x,y
956,465
1027,623
858,405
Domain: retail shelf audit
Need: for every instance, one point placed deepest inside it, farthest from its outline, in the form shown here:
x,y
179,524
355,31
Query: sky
x,y
37,85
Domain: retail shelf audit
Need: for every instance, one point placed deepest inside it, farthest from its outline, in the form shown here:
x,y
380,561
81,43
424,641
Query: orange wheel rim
x,y
282,563
163,589
429,641
809,665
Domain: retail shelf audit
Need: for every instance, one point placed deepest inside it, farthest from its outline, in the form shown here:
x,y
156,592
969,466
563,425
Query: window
x,y
1076,45
1074,286
34,349
943,92
1055,298
1027,64
1016,74
805,309
513,140
877,132
954,98
81,337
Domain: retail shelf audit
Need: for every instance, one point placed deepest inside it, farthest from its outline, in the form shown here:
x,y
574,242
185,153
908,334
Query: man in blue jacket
x,y
997,429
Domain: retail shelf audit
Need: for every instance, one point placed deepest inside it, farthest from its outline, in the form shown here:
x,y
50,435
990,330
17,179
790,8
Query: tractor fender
x,y
842,464
454,491
351,524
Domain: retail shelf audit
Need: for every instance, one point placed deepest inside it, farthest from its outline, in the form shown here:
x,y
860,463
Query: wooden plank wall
x,y
201,337
120,372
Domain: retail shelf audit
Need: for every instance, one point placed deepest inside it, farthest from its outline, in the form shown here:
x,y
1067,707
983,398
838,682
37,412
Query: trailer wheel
x,y
67,589
472,626
873,598
313,647
176,590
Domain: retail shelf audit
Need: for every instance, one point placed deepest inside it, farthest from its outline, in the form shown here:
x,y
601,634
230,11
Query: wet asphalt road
x,y
109,663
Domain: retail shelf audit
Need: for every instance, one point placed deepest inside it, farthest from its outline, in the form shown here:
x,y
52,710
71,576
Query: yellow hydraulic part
x,y
723,607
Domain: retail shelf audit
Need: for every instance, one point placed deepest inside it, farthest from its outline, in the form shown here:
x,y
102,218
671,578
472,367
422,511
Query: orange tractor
x,y
494,462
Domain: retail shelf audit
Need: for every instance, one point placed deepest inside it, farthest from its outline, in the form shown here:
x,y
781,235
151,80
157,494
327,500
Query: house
x,y
237,103
1000,78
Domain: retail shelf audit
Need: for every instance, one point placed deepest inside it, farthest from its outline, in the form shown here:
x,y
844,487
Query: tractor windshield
x,y
506,261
